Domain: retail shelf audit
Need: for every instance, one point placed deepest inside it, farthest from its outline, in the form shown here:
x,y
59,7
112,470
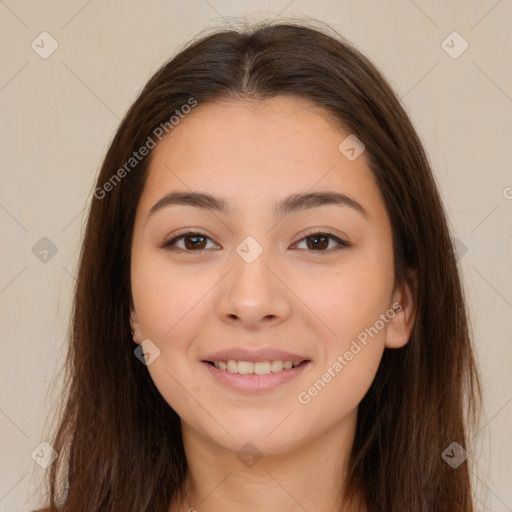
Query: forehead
x,y
285,126
251,152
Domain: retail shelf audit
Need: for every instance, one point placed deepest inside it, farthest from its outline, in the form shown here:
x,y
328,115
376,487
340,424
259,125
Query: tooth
x,y
276,366
262,367
258,368
245,367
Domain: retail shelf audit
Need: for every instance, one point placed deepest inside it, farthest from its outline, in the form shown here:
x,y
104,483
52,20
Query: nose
x,y
253,296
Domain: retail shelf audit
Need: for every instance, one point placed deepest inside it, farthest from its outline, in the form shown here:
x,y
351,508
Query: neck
x,y
309,476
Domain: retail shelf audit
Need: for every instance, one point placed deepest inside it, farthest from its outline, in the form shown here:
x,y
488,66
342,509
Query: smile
x,y
243,375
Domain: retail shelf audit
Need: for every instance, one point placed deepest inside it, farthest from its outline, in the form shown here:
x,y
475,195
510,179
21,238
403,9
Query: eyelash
x,y
342,244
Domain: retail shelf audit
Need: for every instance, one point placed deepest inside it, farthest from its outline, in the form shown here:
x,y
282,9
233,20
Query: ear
x,y
137,336
404,305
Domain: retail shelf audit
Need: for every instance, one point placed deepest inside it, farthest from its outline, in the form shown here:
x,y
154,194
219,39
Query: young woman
x,y
268,312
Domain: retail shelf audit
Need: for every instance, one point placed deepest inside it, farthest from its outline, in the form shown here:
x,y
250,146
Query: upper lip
x,y
254,355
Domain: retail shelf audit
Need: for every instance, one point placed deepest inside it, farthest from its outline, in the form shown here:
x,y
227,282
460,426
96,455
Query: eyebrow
x,y
290,204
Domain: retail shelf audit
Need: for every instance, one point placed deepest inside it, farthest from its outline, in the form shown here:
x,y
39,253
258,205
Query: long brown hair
x,y
119,441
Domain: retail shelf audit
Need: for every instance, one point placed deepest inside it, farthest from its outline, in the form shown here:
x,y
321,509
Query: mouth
x,y
255,367
254,376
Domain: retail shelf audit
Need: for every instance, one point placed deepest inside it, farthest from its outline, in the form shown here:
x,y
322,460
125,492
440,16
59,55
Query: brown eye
x,y
319,242
192,242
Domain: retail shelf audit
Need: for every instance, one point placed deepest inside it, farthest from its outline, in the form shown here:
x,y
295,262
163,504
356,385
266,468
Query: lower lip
x,y
252,382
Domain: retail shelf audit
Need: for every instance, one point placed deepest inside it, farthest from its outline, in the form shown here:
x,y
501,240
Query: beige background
x,y
58,115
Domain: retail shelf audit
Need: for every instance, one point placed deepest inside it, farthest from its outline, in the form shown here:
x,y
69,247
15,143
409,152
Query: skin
x,y
293,297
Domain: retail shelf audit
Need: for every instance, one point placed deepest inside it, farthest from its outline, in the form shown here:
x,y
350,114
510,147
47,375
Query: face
x,y
313,279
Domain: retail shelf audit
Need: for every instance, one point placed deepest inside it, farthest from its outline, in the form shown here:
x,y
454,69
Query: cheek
x,y
172,303
351,304
349,298
171,314
354,354
166,297
338,387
